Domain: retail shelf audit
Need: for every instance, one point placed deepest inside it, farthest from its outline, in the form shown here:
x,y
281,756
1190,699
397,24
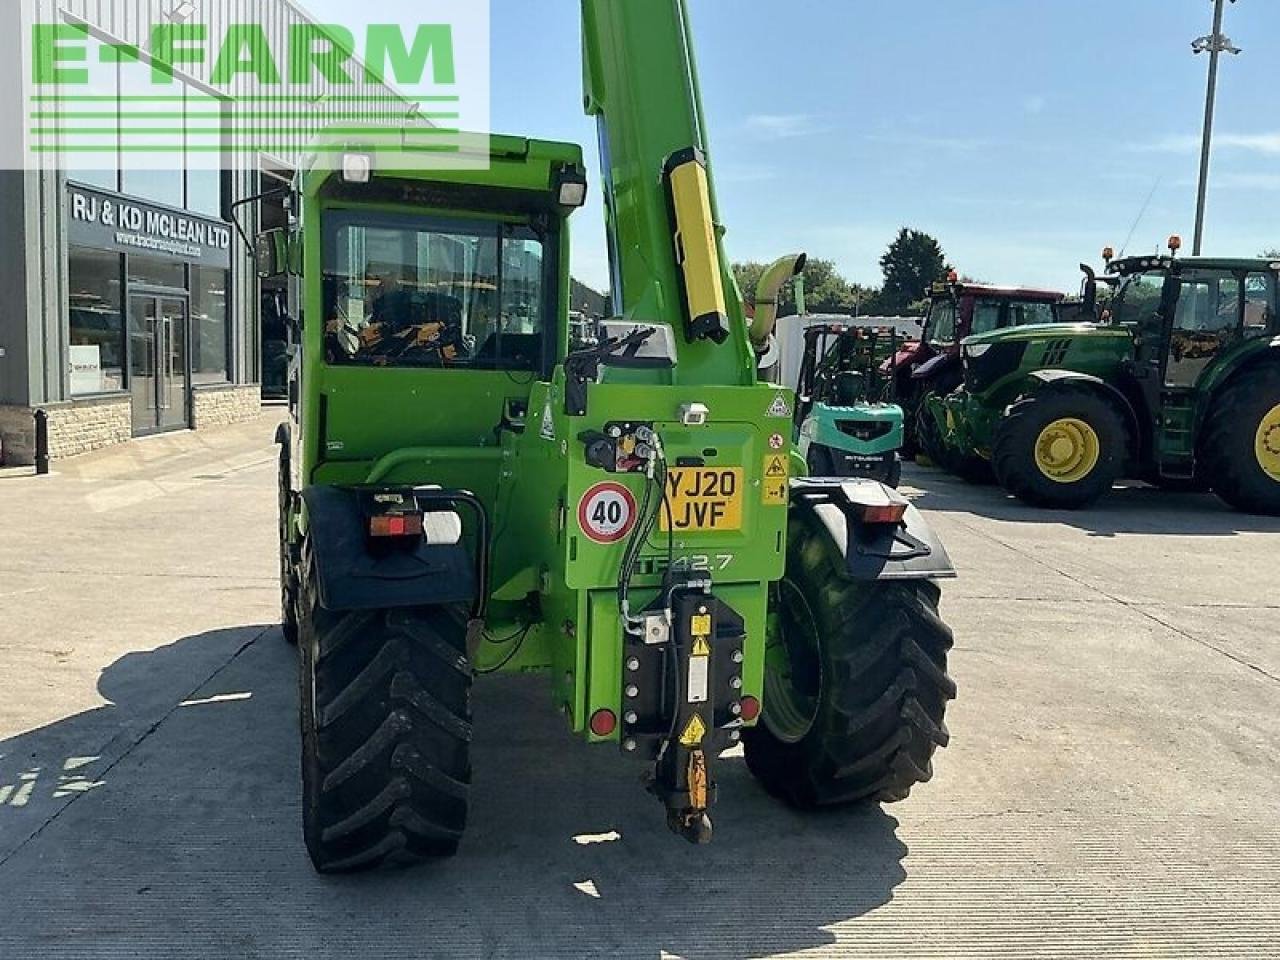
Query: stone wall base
x,y
90,424
74,428
220,406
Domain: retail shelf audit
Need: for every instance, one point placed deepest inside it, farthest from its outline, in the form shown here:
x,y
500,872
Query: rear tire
x,y
1028,442
288,575
386,732
1241,445
856,684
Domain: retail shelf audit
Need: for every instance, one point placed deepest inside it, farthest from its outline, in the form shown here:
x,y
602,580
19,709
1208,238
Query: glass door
x,y
173,383
158,375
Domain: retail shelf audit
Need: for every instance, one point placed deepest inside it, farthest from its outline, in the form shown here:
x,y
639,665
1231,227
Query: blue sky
x,y
1024,135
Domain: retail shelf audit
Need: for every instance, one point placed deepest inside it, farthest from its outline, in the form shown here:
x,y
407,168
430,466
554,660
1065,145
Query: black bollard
x,y
42,443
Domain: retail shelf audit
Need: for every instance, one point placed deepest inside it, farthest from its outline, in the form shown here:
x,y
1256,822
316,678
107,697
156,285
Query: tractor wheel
x,y
821,462
968,467
892,473
928,437
855,682
386,730
1062,449
1241,445
288,576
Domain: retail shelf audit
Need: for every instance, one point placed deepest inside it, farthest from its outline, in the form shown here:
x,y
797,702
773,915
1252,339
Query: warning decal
x,y
777,474
607,512
693,732
779,408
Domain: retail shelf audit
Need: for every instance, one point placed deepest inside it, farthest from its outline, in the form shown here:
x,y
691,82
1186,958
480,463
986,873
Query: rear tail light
x,y
396,525
603,723
884,513
750,709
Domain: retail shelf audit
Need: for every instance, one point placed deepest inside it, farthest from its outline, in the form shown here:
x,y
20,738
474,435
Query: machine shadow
x,y
190,813
1130,508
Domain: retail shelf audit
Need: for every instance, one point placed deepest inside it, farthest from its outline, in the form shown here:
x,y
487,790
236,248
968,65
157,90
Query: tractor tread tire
x,y
880,714
1013,457
288,575
1229,437
386,763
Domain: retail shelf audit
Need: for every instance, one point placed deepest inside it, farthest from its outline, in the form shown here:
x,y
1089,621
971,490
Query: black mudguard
x,y
933,368
354,575
906,551
1051,378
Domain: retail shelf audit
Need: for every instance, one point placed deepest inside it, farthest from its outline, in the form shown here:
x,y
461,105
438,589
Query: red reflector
x,y
750,708
396,525
603,723
888,513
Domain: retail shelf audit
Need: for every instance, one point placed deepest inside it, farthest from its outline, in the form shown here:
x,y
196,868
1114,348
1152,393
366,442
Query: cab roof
x,y
1130,265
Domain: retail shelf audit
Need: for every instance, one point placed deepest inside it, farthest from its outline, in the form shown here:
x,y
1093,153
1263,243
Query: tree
x,y
913,262
826,291
1273,254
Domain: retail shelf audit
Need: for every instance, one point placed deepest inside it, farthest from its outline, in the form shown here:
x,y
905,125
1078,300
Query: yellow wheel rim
x,y
1068,450
1267,446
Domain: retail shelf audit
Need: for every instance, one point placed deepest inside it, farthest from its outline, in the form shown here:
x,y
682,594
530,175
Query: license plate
x,y
703,499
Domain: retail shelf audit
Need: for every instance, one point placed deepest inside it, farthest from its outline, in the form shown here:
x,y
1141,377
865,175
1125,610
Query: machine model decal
x,y
607,512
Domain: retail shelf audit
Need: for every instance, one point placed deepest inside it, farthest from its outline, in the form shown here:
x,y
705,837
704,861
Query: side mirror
x,y
271,253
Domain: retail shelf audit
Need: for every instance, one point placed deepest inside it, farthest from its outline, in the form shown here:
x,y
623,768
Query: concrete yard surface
x,y
1111,787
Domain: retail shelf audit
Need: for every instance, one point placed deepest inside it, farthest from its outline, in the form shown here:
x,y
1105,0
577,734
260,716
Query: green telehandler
x,y
464,491
1180,388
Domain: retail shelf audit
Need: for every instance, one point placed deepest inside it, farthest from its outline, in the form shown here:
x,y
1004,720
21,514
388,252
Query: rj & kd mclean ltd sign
x,y
107,221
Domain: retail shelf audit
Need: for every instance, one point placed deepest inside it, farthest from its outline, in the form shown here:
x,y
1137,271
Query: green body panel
x,y
968,417
361,425
822,428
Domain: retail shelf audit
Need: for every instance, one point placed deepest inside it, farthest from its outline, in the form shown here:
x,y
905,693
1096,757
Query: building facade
x,y
128,304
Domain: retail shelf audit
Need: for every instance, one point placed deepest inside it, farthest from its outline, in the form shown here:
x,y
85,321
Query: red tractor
x,y
957,309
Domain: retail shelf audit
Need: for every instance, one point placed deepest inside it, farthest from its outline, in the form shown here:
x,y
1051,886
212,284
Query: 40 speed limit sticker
x,y
607,512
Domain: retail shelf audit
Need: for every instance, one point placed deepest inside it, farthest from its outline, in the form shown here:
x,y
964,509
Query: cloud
x,y
1264,143
1034,105
1247,181
783,126
953,144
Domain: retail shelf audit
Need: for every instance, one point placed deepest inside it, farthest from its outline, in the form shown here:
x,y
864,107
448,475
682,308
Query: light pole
x,y
1215,45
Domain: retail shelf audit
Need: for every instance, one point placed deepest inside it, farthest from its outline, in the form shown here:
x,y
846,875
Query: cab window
x,y
1023,313
986,315
1259,304
942,322
425,292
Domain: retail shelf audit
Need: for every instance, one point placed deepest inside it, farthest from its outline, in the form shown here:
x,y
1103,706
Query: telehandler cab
x,y
462,493
1181,388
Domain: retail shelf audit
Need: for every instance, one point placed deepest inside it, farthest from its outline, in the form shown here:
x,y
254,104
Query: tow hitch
x,y
683,697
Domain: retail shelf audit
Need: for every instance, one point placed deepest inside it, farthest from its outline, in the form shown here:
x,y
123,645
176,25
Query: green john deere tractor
x,y
466,488
1180,388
